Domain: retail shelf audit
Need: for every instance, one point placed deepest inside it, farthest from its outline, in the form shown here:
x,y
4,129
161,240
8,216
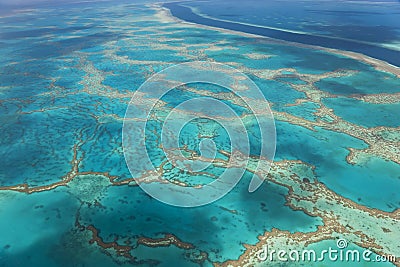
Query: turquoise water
x,y
365,114
366,82
65,84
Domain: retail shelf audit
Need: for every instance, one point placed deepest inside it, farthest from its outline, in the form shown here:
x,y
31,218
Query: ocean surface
x,y
367,27
374,22
69,71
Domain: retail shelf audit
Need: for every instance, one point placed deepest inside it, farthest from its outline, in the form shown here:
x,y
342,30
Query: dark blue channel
x,y
388,55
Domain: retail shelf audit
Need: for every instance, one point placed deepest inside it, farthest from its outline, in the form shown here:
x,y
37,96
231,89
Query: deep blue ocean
x,y
368,27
